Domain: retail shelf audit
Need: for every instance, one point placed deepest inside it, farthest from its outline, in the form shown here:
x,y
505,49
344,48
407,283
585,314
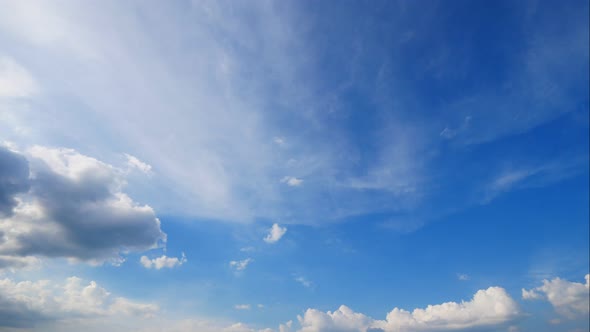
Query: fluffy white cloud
x,y
570,299
242,307
286,327
162,262
275,233
341,320
74,208
30,303
488,308
240,265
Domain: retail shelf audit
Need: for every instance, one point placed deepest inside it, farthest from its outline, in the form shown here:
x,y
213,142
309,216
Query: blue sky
x,y
220,166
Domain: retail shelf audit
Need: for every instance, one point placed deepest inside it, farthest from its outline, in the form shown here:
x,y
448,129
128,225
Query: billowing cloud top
x,y
71,206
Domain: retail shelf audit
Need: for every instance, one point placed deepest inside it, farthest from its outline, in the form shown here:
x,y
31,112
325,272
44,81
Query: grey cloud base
x,y
14,179
74,208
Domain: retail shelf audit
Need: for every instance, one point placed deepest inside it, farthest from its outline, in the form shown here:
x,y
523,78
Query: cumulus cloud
x,y
275,233
14,179
75,208
240,265
570,299
242,307
29,303
488,308
286,327
341,320
13,263
162,262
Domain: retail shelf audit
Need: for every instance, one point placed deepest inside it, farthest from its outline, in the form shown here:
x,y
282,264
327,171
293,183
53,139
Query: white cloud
x,y
286,327
222,164
570,299
134,163
292,181
242,307
463,276
275,233
30,303
240,265
14,263
488,308
531,294
162,262
74,208
15,80
306,283
531,176
341,320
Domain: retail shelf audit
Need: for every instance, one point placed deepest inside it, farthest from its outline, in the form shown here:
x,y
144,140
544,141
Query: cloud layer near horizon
x,y
34,303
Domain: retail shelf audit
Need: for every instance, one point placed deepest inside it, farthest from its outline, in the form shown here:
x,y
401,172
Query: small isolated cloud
x,y
448,133
242,307
275,233
569,299
162,262
134,163
247,249
292,181
302,280
260,306
240,265
280,141
463,277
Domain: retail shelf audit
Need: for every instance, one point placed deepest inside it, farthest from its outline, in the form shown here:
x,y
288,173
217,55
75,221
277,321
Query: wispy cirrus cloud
x,y
240,265
262,79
